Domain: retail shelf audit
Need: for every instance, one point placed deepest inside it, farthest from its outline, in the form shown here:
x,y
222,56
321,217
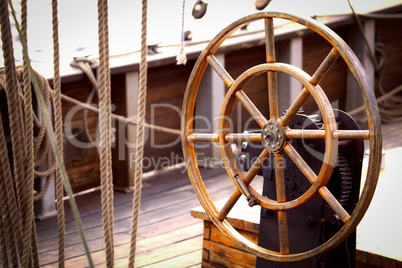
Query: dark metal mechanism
x,y
314,222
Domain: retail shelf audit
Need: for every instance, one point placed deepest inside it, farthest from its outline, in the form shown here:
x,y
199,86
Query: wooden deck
x,y
168,235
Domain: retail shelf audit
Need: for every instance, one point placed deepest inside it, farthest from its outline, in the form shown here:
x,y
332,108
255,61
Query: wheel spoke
x,y
320,134
300,163
283,232
271,76
203,137
280,178
269,40
334,204
251,108
281,197
311,176
351,134
315,79
294,107
247,180
243,137
214,63
231,137
325,66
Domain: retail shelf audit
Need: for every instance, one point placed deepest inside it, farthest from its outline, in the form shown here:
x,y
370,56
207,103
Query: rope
x,y
29,238
8,204
16,130
16,186
389,102
41,144
104,132
140,135
121,118
86,65
181,57
58,121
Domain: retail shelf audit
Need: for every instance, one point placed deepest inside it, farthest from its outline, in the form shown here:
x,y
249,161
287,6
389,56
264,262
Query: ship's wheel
x,y
276,136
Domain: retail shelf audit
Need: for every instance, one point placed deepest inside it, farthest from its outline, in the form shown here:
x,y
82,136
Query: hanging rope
x,y
30,252
58,121
104,132
140,135
181,57
17,131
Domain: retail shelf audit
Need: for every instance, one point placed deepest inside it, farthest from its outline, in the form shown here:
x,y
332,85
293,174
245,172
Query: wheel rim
x,y
339,48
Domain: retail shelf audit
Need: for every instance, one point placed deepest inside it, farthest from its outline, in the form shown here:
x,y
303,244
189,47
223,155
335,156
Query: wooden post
x,y
291,52
208,104
123,154
356,42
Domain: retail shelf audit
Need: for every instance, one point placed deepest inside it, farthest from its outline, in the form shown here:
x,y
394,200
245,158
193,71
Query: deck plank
x,y
165,224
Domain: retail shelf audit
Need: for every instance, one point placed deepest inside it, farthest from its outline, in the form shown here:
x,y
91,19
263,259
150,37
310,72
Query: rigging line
x,y
30,251
121,118
16,124
389,108
140,135
58,122
181,57
104,131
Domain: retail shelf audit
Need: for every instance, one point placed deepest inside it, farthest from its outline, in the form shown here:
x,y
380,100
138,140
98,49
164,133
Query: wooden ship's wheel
x,y
276,137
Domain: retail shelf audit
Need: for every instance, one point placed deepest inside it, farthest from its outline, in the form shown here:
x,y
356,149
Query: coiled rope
x,y
389,102
18,235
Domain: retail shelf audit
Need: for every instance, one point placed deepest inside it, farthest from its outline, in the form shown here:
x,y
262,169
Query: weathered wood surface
x,y
167,233
219,251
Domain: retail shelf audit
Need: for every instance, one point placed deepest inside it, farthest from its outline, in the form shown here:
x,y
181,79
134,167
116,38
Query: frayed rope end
x,y
181,58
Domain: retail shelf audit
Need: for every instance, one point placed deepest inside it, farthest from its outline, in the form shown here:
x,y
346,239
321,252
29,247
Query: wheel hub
x,y
273,137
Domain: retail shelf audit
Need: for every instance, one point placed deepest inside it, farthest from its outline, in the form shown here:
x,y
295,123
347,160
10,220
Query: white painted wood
x,y
356,42
208,104
291,52
127,144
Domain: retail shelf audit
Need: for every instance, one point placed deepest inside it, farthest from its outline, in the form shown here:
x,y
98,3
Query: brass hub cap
x,y
273,137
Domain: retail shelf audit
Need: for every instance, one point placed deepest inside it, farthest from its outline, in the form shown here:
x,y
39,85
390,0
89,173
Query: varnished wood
x,y
251,108
271,75
315,79
220,70
320,134
331,143
280,198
